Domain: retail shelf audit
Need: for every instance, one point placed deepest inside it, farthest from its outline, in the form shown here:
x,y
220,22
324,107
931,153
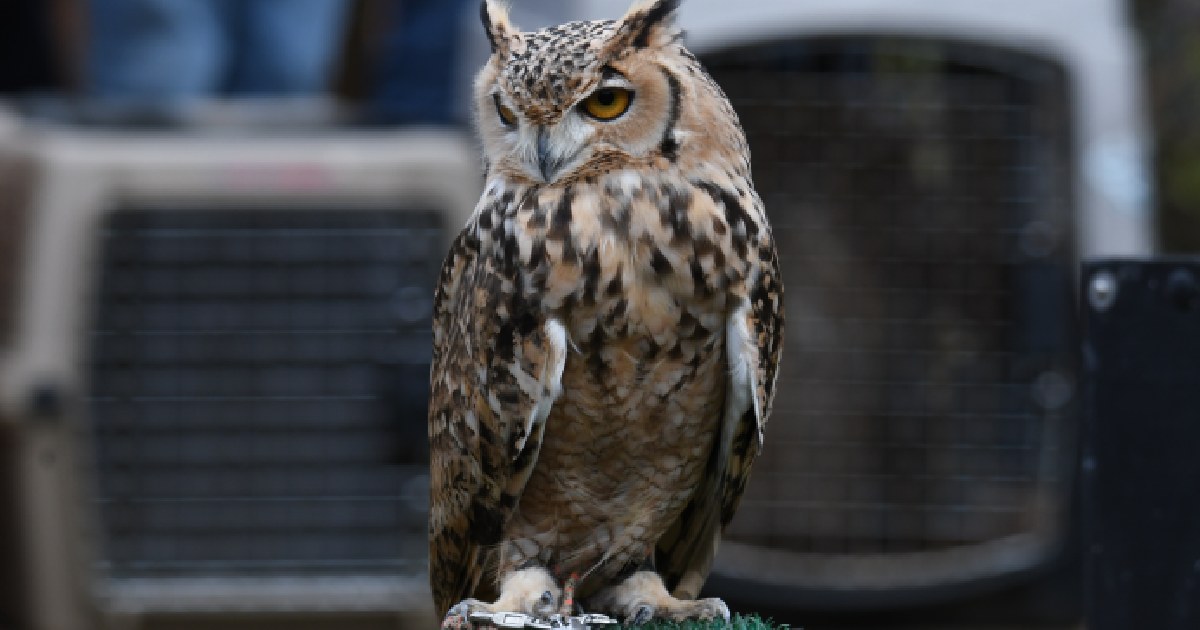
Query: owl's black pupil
x,y
606,97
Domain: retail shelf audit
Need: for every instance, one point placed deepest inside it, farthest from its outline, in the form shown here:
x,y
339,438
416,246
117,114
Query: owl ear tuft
x,y
500,31
649,23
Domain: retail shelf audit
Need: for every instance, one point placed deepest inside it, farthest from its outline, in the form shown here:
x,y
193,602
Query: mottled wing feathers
x,y
762,323
753,346
495,374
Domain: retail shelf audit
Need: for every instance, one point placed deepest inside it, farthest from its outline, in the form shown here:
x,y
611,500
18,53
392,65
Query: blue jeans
x,y
166,51
415,79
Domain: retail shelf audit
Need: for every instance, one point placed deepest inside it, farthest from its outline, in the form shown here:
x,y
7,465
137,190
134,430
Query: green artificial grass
x,y
739,622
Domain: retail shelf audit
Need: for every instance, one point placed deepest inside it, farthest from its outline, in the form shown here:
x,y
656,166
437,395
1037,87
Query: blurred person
x,y
168,52
28,59
430,51
416,76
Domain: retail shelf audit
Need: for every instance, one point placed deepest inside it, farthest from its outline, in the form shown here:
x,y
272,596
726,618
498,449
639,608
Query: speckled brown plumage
x,y
607,329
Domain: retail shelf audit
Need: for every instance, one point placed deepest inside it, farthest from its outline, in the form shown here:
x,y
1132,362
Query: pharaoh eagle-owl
x,y
606,331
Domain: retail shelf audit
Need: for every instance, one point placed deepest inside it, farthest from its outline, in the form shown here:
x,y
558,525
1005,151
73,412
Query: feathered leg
x,y
531,591
642,597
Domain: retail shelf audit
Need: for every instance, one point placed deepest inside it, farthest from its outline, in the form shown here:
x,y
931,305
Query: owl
x,y
607,329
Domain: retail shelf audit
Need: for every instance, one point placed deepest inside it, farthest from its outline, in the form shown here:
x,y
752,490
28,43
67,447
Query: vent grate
x,y
919,193
258,391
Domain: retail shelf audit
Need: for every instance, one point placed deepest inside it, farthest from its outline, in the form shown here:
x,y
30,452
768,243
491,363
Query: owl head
x,y
586,98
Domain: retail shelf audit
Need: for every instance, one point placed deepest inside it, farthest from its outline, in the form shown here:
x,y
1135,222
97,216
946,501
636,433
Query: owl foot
x,y
642,597
529,591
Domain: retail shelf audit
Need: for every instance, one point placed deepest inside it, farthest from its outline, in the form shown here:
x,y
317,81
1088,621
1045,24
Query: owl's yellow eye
x,y
506,115
608,103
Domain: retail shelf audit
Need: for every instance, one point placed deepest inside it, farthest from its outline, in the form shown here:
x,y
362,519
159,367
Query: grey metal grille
x,y
258,391
919,192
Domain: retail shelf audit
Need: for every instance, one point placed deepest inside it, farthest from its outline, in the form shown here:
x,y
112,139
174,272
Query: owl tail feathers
x,y
648,23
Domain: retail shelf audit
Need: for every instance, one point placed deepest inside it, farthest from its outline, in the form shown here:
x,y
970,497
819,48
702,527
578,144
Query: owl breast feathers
x,y
606,331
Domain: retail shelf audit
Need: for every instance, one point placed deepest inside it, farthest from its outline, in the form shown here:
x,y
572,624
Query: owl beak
x,y
547,164
553,154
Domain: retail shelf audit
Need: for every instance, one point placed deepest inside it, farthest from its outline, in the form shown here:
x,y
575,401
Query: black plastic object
x,y
1141,462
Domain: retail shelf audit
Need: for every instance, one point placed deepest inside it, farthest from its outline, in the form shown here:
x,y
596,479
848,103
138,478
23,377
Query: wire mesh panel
x,y
919,193
258,391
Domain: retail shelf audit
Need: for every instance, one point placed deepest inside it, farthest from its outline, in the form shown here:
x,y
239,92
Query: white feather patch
x,y
549,383
742,354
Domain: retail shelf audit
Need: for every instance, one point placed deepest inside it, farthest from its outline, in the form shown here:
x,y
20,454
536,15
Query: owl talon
x,y
643,614
459,615
712,608
455,621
